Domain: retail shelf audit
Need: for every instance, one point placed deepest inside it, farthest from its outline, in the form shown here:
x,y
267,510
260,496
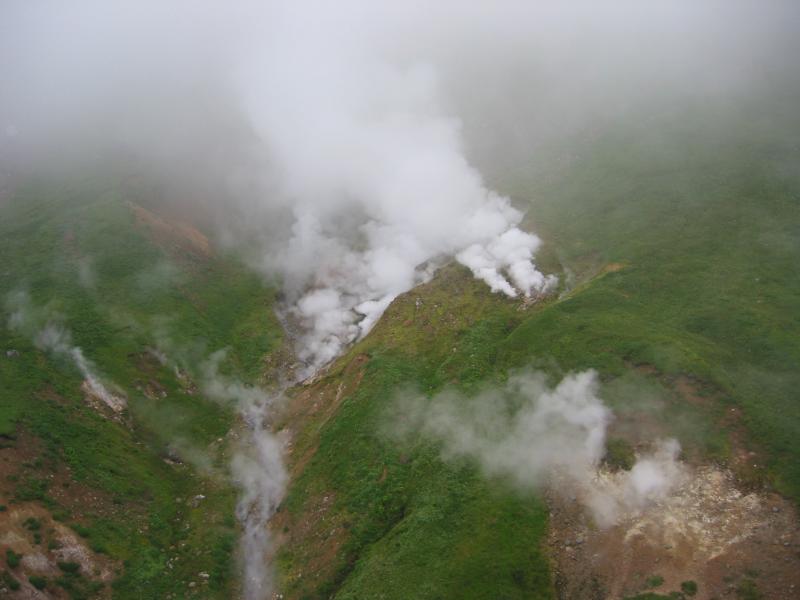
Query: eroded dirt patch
x,y
172,234
34,545
708,531
35,542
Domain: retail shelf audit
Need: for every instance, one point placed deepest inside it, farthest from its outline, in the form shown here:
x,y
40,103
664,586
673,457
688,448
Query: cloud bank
x,y
341,139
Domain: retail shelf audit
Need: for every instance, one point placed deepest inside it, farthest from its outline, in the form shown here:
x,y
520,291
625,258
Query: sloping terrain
x,y
678,239
132,501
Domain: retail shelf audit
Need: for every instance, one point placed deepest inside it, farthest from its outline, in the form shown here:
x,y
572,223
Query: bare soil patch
x,y
707,531
171,234
30,529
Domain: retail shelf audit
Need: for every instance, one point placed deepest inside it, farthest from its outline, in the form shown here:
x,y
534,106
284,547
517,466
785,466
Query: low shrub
x,y
69,567
689,588
9,581
38,582
12,558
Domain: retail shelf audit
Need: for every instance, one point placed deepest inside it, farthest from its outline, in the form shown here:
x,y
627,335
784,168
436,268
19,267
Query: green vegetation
x,y
38,582
82,531
13,559
689,588
619,454
677,238
74,583
413,526
700,213
69,567
75,257
654,596
748,590
9,581
677,241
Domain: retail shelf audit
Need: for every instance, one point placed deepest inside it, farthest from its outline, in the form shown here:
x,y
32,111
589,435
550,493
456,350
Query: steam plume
x,y
339,138
536,436
371,182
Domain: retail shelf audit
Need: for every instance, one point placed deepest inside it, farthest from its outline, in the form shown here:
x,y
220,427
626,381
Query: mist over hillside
x,y
404,300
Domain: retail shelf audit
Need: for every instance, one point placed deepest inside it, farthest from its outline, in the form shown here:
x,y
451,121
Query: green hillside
x,y
677,241
704,213
677,238
76,257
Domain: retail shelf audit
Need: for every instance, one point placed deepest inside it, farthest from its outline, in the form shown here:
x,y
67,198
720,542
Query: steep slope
x,y
704,212
138,497
677,238
366,517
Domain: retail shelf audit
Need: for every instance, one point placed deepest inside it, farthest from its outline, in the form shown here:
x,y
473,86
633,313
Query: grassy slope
x,y
415,528
702,213
707,219
137,294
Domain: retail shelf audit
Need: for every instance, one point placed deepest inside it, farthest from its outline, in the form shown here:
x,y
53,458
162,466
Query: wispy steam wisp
x,y
51,336
56,339
257,469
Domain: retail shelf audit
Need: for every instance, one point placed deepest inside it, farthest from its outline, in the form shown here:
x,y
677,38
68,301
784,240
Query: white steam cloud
x,y
376,177
611,496
343,150
340,138
536,436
